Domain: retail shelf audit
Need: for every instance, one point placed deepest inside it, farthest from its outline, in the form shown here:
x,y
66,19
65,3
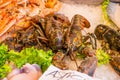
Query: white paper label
x,y
53,73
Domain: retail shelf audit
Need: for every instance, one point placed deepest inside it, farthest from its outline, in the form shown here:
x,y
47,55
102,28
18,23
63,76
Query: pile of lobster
x,y
65,38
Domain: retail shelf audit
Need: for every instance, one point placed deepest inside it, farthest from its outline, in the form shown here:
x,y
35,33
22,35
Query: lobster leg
x,y
92,38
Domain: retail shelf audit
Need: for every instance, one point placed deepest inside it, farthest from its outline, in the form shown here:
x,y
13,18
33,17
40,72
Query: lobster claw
x,y
88,66
58,60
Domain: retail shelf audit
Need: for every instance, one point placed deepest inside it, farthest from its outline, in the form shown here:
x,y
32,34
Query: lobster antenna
x,y
74,60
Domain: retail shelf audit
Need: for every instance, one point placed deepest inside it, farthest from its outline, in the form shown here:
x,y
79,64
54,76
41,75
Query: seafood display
x,y
15,14
65,38
34,36
110,41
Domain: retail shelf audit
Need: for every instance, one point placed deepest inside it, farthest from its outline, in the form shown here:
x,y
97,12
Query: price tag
x,y
54,73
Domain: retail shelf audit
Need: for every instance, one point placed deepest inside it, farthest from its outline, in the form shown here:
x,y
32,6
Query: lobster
x,y
110,39
73,42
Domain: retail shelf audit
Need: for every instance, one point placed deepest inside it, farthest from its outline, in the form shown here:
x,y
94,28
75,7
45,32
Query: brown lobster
x,y
111,43
73,42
